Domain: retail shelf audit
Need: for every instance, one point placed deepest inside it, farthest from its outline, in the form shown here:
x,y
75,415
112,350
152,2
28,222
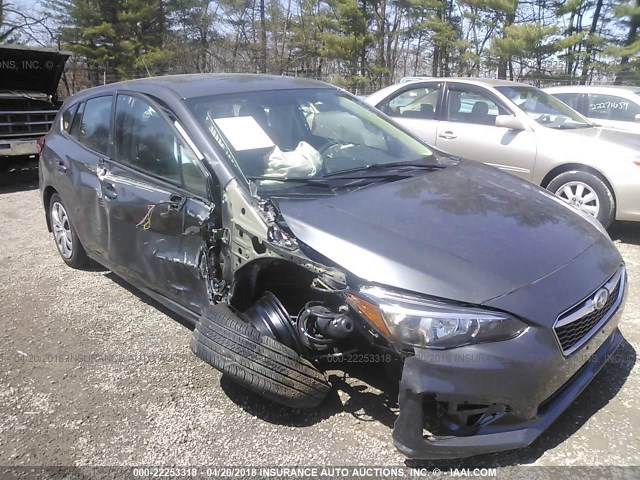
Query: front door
x,y
155,191
416,107
468,130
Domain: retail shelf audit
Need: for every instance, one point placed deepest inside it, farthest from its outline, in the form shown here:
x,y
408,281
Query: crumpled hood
x,y
468,232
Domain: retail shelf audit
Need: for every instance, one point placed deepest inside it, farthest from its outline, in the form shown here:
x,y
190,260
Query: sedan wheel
x,y
586,192
581,196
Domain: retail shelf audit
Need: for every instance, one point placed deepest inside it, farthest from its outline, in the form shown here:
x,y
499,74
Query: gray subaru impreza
x,y
296,228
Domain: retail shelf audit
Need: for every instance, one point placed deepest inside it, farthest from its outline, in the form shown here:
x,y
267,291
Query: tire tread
x,y
257,362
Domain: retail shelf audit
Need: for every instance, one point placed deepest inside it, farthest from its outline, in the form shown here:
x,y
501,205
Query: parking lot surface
x,y
92,372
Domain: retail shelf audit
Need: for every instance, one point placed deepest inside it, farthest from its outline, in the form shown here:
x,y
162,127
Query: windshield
x,y
286,139
544,108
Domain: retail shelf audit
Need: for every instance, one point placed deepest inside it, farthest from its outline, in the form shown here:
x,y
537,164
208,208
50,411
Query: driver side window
x,y
470,106
419,102
146,142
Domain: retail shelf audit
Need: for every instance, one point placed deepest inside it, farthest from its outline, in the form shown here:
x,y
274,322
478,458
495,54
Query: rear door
x,y
416,107
468,130
80,150
157,200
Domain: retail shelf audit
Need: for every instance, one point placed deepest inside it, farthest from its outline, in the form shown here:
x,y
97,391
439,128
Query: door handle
x,y
448,135
176,202
109,191
62,167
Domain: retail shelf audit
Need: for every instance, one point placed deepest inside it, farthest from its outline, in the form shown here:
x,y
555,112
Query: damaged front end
x,y
447,413
474,378
276,282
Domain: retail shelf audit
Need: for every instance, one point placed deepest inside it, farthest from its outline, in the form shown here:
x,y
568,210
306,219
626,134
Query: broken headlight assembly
x,y
420,322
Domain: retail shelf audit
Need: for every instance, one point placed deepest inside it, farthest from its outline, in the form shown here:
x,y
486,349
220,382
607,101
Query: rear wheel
x,y
587,193
257,362
65,236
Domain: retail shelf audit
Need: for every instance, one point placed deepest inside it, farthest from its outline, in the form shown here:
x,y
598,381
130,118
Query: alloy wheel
x,y
61,230
581,196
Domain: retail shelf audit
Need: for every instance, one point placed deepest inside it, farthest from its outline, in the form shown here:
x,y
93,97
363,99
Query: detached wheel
x,y
65,236
587,193
257,362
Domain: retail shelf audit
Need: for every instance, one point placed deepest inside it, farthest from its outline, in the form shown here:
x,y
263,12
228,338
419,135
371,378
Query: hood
x,y
617,137
27,69
468,233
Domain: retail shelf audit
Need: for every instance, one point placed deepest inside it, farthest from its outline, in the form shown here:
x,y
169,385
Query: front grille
x,y
574,327
25,123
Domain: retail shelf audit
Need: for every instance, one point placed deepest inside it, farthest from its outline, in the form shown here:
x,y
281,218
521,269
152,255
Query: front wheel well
x,y
568,167
287,281
46,198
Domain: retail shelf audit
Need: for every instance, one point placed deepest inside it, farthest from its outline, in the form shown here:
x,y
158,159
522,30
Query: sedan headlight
x,y
423,323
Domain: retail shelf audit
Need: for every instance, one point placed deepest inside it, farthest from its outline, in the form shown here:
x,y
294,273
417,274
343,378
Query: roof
x,y
583,88
204,84
493,82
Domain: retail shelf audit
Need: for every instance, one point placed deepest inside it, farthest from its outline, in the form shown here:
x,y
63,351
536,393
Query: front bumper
x,y
509,391
14,148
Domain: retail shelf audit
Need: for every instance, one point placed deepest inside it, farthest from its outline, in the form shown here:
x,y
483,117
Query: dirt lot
x,y
94,373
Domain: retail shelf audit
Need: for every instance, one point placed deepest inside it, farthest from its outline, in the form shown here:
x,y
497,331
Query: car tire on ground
x,y
585,191
65,236
257,362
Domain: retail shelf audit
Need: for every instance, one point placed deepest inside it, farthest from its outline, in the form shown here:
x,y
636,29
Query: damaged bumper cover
x,y
494,397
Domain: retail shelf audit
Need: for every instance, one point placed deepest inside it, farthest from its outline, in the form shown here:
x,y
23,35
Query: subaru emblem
x,y
600,298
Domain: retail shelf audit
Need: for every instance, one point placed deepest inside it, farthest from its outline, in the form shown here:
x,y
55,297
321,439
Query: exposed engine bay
x,y
281,286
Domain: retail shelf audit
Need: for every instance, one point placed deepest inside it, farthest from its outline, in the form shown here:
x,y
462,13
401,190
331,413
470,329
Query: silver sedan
x,y
522,130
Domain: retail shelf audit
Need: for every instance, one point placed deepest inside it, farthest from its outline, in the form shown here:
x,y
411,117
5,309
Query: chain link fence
x,y
79,76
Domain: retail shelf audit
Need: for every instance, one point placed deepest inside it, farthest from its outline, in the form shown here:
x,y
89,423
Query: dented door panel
x,y
155,235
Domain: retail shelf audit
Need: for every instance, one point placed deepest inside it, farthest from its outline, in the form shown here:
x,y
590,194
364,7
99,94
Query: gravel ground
x,y
92,372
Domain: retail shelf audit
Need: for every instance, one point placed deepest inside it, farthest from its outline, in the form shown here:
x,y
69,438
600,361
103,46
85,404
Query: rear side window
x,y
67,117
612,107
75,124
91,126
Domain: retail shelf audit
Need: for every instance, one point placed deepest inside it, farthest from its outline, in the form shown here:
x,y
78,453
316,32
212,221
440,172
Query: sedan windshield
x,y
544,108
286,139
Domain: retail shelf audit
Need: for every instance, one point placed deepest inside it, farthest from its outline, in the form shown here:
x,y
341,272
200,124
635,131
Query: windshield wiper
x,y
376,167
304,181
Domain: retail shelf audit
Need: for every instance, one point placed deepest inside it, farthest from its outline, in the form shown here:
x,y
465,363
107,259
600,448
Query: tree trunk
x,y
263,38
634,26
436,61
417,59
590,47
503,63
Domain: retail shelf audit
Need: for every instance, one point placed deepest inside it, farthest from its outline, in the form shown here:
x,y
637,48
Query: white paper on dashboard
x,y
244,133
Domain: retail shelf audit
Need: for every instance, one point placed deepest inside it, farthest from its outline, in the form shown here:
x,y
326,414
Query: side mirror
x,y
637,117
511,122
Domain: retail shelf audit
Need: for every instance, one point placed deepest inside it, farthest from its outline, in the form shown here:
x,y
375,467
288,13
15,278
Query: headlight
x,y
422,323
